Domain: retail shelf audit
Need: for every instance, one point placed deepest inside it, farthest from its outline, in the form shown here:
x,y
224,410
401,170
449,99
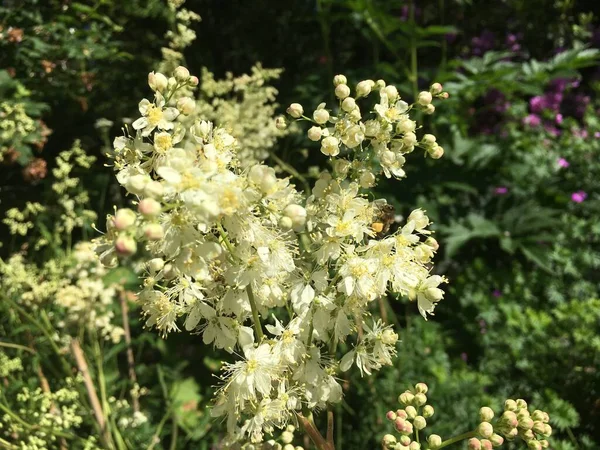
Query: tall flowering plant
x,y
275,276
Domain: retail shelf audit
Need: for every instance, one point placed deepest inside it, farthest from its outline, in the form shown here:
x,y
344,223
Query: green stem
x,y
225,238
413,53
17,346
255,316
455,439
289,169
6,444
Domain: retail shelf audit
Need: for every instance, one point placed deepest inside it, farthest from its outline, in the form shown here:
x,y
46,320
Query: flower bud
x,y
388,441
406,125
286,223
538,415
428,140
367,180
421,388
424,98
391,92
364,88
547,431
154,231
436,88
136,183
496,440
544,443
194,80
510,405
321,116
124,218
295,110
434,441
339,79
330,146
486,414
287,437
485,429
436,152
405,440
534,445
414,446
411,412
526,423
510,418
401,413
428,411
153,189
297,214
431,242
539,427
420,399
429,109
280,123
409,139
527,435
391,415
181,74
157,81
125,245
149,207
511,434
286,447
521,404
419,422
474,444
349,104
406,398
342,91
403,426
486,444
388,337
156,265
315,133
186,105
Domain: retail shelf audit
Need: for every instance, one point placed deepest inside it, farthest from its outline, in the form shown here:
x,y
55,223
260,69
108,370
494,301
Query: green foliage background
x,y
522,315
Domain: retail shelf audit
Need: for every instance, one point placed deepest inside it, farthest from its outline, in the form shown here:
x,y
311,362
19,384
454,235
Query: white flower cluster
x,y
229,246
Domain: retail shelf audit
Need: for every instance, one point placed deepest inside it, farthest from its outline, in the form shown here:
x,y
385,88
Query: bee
x,y
384,218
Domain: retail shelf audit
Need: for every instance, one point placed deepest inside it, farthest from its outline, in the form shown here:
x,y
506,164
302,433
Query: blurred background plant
x,y
514,201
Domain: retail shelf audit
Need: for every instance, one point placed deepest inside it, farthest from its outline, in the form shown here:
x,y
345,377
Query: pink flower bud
x,y
391,415
125,245
474,444
124,218
436,88
402,414
149,207
194,80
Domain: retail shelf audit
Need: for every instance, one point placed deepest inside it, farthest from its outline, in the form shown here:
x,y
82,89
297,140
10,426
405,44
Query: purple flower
x,y
562,162
497,293
501,190
559,118
578,197
537,104
597,134
532,120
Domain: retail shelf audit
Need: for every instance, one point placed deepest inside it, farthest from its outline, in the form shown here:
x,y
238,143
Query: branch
x,y
91,390
135,402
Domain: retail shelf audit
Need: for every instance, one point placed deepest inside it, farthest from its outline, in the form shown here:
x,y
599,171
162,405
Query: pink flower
x,y
559,118
532,120
578,197
562,162
501,190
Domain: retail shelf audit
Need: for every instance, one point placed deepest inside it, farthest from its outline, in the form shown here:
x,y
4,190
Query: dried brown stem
x,y
91,390
311,430
135,402
330,429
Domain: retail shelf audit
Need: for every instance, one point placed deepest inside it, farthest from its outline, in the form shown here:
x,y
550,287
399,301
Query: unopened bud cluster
x,y
515,421
411,419
283,442
383,138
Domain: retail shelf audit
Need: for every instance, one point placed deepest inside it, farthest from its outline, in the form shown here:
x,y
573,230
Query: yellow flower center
x,y
162,142
154,115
